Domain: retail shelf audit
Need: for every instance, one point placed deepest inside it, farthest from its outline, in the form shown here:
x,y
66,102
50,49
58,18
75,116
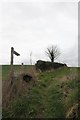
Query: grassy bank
x,y
53,95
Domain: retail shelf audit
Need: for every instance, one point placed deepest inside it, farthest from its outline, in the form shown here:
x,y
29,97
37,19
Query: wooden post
x,y
12,51
12,71
12,58
22,67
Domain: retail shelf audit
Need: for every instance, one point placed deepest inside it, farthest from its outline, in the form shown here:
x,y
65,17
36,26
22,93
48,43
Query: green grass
x,y
25,106
17,69
45,99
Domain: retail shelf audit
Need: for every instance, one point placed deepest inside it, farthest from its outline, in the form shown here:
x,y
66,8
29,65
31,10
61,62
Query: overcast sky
x,y
33,26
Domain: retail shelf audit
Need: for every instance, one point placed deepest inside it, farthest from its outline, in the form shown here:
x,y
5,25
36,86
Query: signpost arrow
x,y
16,53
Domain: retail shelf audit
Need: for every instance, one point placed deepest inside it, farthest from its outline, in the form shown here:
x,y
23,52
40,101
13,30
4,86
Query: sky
x,y
32,26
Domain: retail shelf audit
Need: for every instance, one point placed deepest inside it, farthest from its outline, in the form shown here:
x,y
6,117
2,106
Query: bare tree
x,y
30,58
53,52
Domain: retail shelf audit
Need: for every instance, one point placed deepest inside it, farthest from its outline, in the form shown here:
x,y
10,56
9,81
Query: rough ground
x,y
51,94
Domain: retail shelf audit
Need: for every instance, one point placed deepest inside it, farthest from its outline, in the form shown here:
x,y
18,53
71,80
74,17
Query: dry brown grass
x,y
11,91
73,112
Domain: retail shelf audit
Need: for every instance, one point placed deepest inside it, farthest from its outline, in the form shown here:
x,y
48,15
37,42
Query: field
x,y
53,94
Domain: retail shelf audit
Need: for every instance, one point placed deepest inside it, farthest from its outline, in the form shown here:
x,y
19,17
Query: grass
x,y
25,106
17,69
46,98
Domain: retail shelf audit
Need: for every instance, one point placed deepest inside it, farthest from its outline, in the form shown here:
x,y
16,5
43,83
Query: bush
x,y
46,65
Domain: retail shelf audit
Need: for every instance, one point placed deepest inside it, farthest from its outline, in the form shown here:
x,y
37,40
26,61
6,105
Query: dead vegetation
x,y
73,112
12,90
